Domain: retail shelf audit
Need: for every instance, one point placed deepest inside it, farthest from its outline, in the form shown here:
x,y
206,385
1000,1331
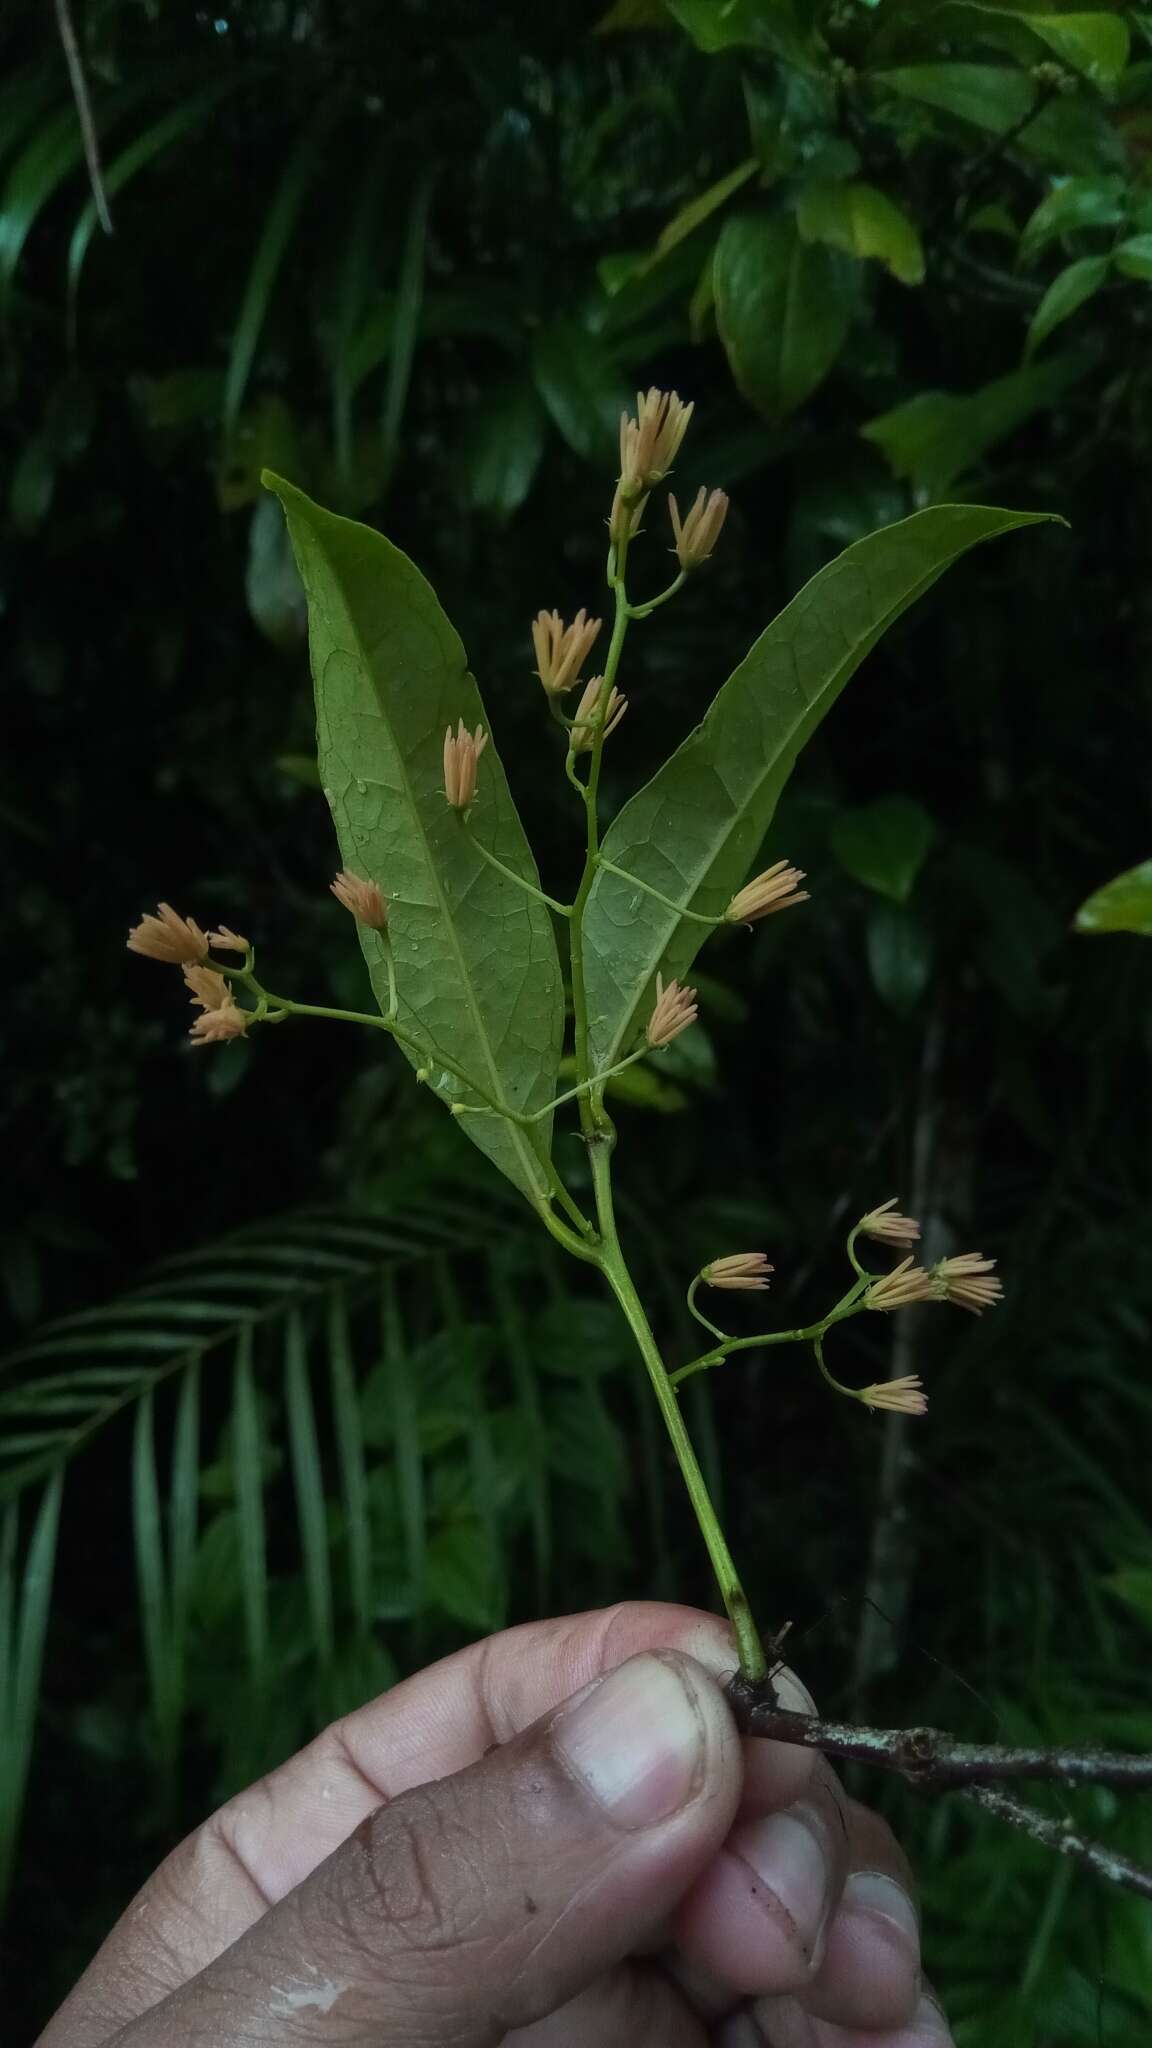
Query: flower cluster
x,y
745,1271
674,1010
462,751
776,889
561,650
179,942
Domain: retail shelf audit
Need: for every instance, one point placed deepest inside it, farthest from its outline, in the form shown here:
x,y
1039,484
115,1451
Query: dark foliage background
x,y
416,258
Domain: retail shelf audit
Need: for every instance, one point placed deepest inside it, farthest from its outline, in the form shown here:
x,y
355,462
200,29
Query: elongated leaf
x,y
151,1577
523,1369
270,249
310,1511
688,219
783,308
409,1461
1134,257
1122,905
249,1487
582,386
939,435
1066,294
1074,203
409,297
862,221
152,143
476,961
350,1453
694,830
884,844
24,1604
53,153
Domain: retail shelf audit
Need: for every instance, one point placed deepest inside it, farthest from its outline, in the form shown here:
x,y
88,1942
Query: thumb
x,y
479,1903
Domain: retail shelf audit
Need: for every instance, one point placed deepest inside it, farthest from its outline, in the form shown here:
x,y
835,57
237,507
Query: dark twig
x,y
79,83
1066,1840
931,1758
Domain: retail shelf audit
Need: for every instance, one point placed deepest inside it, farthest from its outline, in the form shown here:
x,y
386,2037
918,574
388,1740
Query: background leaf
x,y
884,844
1124,905
476,960
783,308
862,222
1066,294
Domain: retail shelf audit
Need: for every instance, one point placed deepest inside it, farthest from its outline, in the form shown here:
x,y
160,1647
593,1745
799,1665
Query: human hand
x,y
555,1838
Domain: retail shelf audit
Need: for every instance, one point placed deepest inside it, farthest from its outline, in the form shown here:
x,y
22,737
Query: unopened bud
x,y
462,751
650,443
903,1396
968,1281
901,1288
228,941
888,1226
583,724
745,1271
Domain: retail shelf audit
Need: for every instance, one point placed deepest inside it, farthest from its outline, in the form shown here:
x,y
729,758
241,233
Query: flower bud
x,y
776,889
739,1270
365,900
462,751
168,937
967,1281
900,1288
228,941
674,1010
888,1226
699,532
650,443
903,1396
561,650
583,726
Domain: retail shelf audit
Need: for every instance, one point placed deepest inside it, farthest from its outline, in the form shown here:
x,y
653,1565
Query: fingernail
x,y
869,1891
636,1740
786,1854
931,2024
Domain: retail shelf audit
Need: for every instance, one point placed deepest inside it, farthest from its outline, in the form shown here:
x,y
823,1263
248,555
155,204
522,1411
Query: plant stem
x,y
753,1663
696,916
641,611
529,888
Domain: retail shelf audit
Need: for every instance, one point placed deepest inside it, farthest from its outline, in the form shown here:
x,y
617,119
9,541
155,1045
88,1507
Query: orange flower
x,y
365,900
209,989
583,730
229,1021
904,1396
775,889
674,1010
461,754
967,1281
228,941
561,650
168,937
743,1270
698,534
888,1226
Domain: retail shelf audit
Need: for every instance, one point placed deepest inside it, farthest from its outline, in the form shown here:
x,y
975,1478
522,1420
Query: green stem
x,y
642,611
753,1664
529,888
536,1116
696,916
713,1329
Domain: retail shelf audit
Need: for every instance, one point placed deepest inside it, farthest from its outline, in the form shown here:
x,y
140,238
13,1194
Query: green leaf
x,y
694,831
1133,1584
1134,257
704,206
716,25
476,961
783,308
992,96
24,1603
582,386
463,1575
308,1478
1095,43
884,844
409,300
347,1423
935,437
899,947
248,1487
503,449
1123,905
862,222
1075,203
1065,295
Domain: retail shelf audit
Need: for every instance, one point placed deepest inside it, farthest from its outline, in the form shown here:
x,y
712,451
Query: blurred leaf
x,y
25,1600
719,24
1123,905
694,831
900,953
1094,43
478,954
503,449
783,309
640,1087
1075,203
578,1338
1134,257
935,437
409,299
463,1575
266,437
33,484
299,768
884,844
627,15
991,96
276,233
1065,295
582,387
272,582
862,222
704,206
1134,1586
183,398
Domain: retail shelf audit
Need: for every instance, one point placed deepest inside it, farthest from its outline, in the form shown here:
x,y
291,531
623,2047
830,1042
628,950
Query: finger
x,y
263,1843
757,1919
633,2006
870,1973
783,2023
483,1902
